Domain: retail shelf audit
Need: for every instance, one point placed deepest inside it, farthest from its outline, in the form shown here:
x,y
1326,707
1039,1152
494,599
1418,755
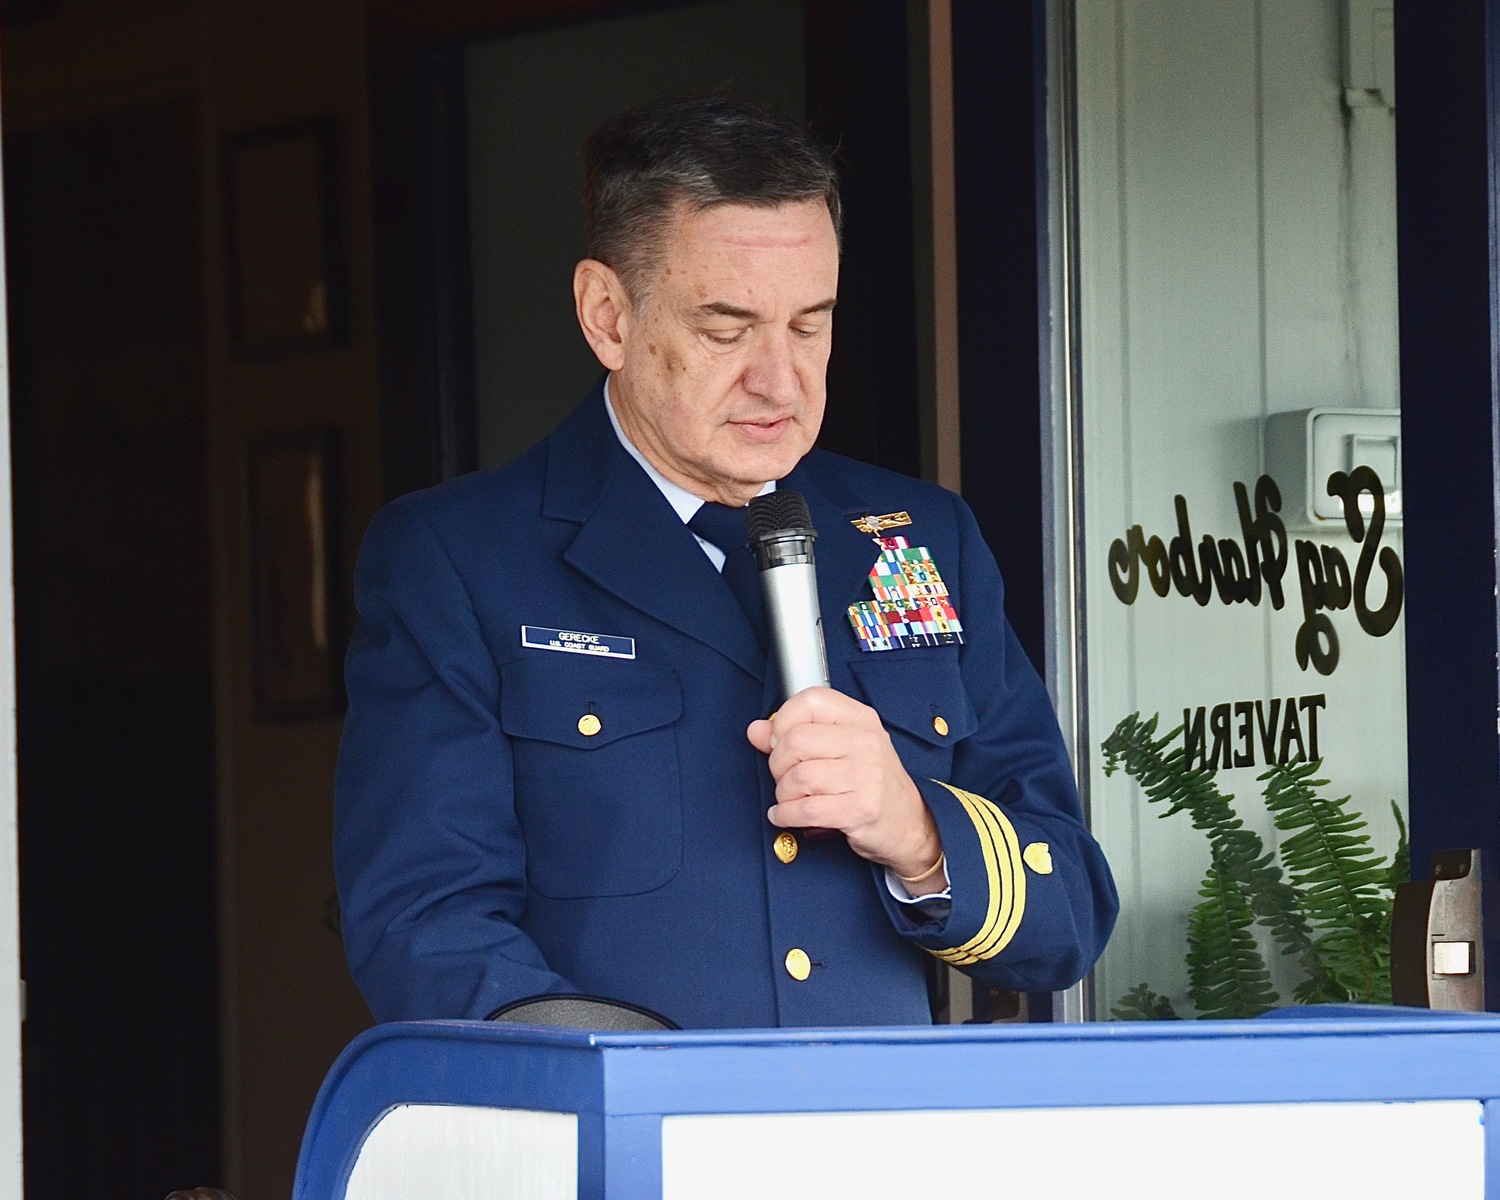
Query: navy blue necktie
x,y
725,527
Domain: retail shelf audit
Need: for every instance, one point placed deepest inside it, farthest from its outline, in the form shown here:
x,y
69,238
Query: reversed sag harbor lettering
x,y
1241,572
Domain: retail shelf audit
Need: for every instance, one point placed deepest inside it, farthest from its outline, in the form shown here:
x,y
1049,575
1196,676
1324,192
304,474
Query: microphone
x,y
781,538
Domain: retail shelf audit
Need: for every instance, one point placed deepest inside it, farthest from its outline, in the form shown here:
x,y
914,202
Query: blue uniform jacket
x,y
487,850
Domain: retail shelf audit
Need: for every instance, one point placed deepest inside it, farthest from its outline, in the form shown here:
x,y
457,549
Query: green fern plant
x,y
1343,884
1140,1003
1332,914
1227,975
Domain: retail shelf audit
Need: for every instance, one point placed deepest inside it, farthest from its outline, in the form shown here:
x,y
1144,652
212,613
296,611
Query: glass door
x,y
1229,501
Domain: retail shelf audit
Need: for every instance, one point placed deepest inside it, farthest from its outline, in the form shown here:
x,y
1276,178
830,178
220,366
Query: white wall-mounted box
x,y
1305,447
1369,44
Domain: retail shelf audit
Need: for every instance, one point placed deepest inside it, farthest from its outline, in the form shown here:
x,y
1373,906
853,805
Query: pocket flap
x,y
921,694
546,697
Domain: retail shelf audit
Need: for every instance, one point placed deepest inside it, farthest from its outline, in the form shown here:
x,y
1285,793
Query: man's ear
x,y
603,311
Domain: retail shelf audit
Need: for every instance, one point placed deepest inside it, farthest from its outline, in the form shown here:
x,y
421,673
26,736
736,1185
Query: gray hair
x,y
698,152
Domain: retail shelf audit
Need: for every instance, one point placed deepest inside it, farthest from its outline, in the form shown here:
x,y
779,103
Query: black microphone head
x,y
778,512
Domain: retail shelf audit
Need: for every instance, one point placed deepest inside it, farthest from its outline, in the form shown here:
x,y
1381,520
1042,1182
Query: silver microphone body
x,y
791,591
789,583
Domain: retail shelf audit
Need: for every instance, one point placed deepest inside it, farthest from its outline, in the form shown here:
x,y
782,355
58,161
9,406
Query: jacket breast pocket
x,y
597,783
922,702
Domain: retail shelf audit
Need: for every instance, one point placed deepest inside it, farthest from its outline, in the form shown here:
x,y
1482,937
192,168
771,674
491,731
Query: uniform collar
x,y
632,541
683,502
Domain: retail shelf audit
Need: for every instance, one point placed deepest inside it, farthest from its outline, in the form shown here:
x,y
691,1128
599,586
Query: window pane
x,y
1236,254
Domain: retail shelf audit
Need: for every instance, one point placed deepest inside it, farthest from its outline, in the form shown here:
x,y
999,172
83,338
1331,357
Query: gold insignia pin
x,y
1038,857
874,525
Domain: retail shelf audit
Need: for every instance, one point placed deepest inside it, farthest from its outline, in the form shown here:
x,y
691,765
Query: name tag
x,y
573,641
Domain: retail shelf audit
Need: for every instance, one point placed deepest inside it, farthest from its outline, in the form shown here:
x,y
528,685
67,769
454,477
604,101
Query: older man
x,y
556,774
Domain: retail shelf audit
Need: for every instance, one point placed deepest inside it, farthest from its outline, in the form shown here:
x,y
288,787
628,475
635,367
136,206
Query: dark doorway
x,y
857,97
120,1043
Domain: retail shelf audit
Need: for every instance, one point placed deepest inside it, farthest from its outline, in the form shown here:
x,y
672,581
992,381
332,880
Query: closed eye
x,y
721,338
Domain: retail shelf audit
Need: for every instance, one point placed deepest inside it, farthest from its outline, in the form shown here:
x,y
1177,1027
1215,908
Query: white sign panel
x,y
1357,1151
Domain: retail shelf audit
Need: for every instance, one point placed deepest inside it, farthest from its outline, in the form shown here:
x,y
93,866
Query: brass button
x,y
941,726
785,847
1038,856
798,965
588,725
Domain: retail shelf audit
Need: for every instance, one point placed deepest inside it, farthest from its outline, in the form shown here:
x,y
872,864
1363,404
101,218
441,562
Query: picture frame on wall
x,y
297,626
284,230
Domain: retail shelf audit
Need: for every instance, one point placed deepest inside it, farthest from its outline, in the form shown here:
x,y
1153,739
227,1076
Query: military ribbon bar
x,y
911,607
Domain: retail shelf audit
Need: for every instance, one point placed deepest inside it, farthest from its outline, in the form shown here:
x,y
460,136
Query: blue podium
x,y
1364,1107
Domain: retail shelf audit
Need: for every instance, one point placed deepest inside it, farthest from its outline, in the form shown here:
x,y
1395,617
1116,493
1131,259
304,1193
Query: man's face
x,y
722,377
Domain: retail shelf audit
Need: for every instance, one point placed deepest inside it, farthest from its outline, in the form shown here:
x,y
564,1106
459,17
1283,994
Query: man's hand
x,y
835,768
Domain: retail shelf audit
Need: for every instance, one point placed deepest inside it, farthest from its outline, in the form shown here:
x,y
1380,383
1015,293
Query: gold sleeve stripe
x,y
1008,880
959,955
1004,875
1004,844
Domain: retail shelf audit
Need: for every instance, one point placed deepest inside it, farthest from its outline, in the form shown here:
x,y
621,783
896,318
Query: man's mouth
x,y
763,429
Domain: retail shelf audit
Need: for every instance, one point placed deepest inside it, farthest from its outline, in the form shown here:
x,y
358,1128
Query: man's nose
x,y
772,369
